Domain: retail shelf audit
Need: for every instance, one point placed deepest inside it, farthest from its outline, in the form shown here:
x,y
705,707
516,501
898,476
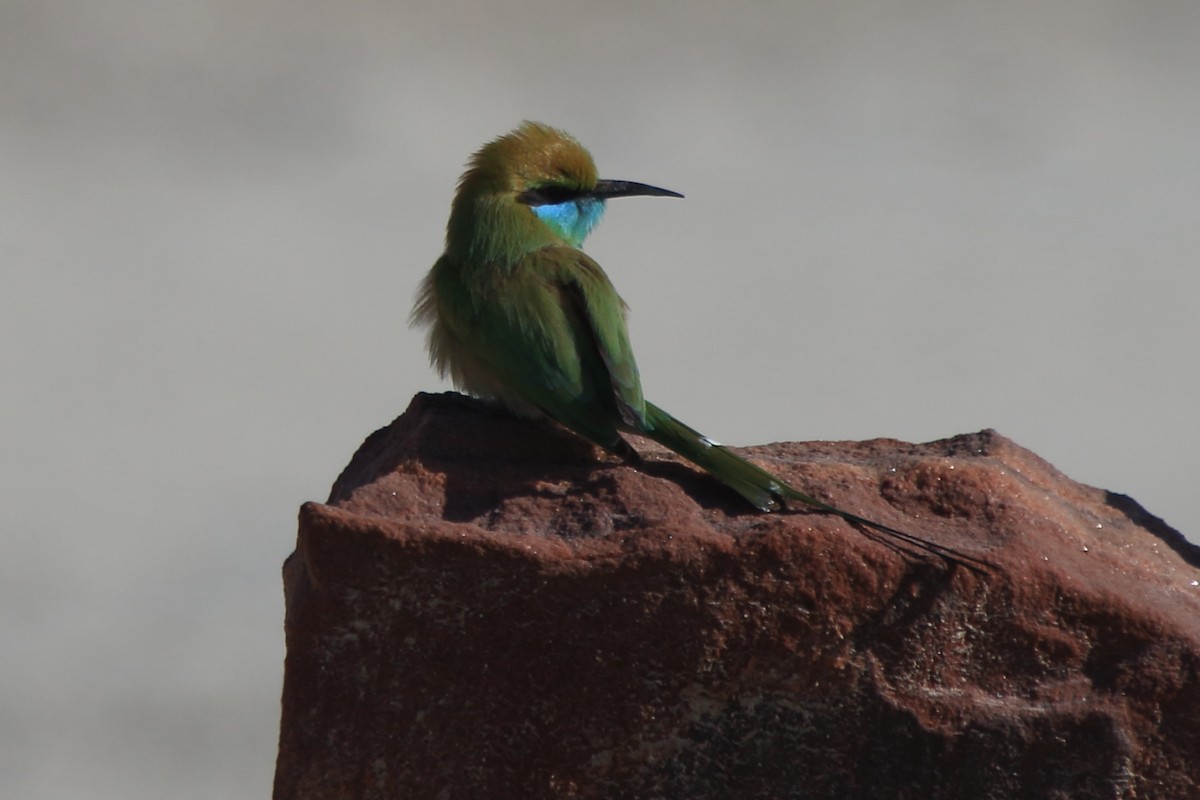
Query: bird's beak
x,y
606,189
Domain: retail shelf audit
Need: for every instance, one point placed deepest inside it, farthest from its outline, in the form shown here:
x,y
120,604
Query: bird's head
x,y
530,188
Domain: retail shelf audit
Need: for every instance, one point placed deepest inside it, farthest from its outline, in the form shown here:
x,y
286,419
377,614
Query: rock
x,y
490,607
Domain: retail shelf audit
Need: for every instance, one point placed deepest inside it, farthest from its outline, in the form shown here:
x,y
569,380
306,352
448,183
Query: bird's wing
x,y
597,315
551,331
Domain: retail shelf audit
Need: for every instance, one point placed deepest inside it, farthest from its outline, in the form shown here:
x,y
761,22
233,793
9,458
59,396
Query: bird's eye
x,y
550,195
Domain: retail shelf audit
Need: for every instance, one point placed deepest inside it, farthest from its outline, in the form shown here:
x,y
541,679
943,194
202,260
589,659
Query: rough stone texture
x,y
488,607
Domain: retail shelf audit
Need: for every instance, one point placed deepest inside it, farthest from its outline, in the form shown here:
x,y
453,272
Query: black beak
x,y
606,189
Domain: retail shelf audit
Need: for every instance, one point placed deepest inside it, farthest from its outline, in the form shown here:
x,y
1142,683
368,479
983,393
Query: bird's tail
x,y
754,483
768,492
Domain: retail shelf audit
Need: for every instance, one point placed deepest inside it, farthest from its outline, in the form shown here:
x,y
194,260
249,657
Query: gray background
x,y
902,219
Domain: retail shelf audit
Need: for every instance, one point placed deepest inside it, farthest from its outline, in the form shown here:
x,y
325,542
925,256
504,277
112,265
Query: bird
x,y
516,313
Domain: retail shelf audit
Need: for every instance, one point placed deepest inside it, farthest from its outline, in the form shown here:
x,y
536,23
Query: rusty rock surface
x,y
490,607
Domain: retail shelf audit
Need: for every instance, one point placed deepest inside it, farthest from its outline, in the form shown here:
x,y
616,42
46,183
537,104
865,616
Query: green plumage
x,y
546,334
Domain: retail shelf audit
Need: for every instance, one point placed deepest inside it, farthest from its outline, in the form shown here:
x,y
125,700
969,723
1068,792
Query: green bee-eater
x,y
519,314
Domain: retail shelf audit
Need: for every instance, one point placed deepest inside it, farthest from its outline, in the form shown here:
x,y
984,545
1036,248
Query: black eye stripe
x,y
548,195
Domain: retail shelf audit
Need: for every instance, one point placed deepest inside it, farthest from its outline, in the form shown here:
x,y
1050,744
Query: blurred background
x,y
908,220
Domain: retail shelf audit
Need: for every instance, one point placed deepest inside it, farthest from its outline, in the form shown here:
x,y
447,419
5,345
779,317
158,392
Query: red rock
x,y
489,607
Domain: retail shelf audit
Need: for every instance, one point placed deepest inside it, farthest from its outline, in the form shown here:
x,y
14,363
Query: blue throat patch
x,y
574,219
